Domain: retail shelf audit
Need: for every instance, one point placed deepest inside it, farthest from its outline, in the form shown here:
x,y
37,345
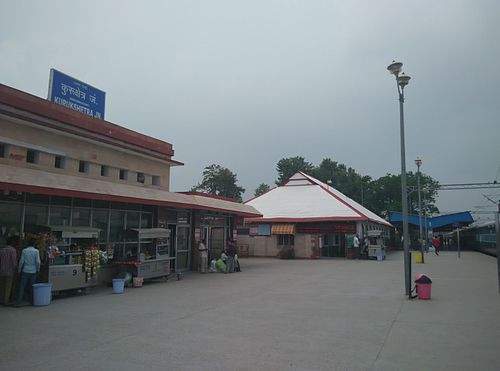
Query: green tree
x,y
286,167
343,178
381,195
385,194
428,190
262,188
219,181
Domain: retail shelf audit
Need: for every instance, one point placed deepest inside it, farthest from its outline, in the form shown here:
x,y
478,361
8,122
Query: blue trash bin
x,y
118,285
42,294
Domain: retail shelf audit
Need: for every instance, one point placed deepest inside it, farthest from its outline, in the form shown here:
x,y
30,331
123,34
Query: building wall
x,y
20,135
304,246
260,245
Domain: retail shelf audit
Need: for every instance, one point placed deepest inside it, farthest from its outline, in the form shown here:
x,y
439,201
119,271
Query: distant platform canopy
x,y
445,221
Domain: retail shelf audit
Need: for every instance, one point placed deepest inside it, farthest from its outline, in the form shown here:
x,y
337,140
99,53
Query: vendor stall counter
x,y
376,247
73,258
150,256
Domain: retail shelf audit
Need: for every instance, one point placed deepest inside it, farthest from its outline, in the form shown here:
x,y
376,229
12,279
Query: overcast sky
x,y
246,83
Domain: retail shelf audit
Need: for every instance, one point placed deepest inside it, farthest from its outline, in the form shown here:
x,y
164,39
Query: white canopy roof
x,y
305,199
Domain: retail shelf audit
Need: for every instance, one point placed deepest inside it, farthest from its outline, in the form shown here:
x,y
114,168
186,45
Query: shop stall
x,y
148,256
73,257
376,246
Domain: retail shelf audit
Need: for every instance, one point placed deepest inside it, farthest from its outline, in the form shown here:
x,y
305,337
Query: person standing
x,y
8,264
29,266
436,243
355,245
202,249
365,243
231,252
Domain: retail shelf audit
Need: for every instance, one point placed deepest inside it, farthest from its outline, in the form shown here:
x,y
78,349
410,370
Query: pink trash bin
x,y
423,284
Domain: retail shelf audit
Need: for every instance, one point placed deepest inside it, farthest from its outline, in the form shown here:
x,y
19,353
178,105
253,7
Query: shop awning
x,y
21,179
283,229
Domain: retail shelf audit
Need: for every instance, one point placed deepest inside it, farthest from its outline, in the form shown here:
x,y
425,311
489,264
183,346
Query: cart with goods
x,y
146,255
376,245
74,258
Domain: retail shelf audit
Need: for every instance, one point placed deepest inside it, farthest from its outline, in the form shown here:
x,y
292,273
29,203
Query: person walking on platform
x,y
436,244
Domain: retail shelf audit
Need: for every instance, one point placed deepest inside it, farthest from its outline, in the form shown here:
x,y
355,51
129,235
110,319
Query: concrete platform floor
x,y
275,315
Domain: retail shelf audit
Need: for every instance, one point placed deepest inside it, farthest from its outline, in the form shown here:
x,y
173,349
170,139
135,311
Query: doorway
x,y
182,257
216,243
333,246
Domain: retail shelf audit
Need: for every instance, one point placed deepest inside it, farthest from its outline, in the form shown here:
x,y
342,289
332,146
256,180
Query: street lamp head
x,y
403,80
418,162
395,68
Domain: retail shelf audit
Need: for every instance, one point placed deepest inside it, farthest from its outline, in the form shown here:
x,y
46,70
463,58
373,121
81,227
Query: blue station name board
x,y
76,95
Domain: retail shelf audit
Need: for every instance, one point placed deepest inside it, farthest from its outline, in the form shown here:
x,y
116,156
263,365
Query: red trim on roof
x,y
77,120
345,202
297,180
302,220
99,196
354,209
208,195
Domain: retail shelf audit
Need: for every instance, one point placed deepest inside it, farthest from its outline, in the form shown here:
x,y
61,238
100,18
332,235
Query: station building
x,y
311,217
59,167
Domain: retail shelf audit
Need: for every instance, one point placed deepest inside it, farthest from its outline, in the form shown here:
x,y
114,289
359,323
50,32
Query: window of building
x,y
32,156
156,180
146,220
61,201
104,170
35,198
35,215
123,174
83,167
4,150
116,226
59,215
286,239
100,204
81,202
100,219
141,178
132,219
10,219
80,217
243,231
59,162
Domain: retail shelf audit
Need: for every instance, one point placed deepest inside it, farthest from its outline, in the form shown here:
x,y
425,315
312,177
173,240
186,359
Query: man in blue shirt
x,y
29,265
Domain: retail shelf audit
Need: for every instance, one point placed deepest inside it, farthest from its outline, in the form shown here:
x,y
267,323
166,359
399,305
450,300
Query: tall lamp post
x,y
418,162
401,81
